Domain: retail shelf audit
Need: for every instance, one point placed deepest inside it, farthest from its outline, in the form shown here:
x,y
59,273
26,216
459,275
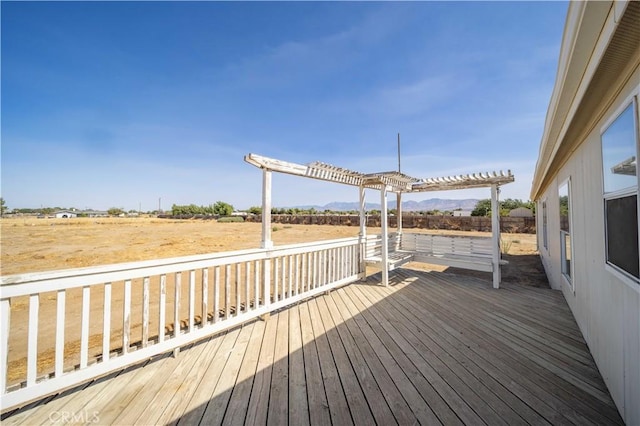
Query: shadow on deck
x,y
434,347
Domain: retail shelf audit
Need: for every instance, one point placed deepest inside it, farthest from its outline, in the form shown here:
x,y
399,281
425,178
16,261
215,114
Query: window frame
x,y
566,274
633,101
545,224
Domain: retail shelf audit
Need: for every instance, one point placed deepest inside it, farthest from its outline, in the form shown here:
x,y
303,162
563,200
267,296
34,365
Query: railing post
x,y
266,209
399,214
32,339
60,322
5,316
84,327
495,231
266,283
384,255
162,308
362,236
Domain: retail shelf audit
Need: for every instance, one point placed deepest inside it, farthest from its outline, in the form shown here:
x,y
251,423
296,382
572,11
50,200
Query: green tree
x,y
223,209
483,208
255,210
2,206
115,211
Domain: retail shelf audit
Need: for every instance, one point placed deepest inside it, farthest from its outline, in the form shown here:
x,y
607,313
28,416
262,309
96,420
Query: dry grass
x,y
32,245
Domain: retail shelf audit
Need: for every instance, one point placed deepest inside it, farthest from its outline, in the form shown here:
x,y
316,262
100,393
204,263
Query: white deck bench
x,y
467,252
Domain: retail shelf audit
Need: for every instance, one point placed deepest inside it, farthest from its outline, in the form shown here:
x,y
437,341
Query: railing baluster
x,y
247,284
323,255
331,266
325,266
238,282
227,291
162,308
346,269
298,273
84,335
205,295
309,257
267,285
5,319
145,312
283,278
290,278
60,321
256,284
176,304
126,317
192,298
276,278
315,269
106,324
32,348
216,293
303,270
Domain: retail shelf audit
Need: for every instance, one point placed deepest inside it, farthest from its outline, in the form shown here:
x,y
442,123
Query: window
x,y
564,197
619,161
544,225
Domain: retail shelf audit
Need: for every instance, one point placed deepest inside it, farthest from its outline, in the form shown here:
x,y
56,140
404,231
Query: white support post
x,y
266,209
495,231
385,236
5,317
399,213
362,236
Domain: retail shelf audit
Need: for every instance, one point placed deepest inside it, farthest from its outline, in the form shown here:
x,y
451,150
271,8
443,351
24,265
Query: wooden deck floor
x,y
433,348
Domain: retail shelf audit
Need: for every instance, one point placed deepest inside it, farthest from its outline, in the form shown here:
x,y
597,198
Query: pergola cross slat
x,y
384,182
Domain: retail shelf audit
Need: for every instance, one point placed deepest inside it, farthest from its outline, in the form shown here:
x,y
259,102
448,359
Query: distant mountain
x,y
408,206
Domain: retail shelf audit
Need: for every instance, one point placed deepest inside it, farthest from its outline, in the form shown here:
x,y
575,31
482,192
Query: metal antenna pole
x,y
399,197
398,152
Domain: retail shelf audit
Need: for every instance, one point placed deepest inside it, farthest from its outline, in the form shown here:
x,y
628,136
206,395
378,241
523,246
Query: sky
x,y
138,105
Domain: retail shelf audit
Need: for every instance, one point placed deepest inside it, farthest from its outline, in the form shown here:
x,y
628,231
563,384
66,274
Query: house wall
x,y
606,305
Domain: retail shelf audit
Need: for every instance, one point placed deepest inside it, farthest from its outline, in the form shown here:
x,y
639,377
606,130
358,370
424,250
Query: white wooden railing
x,y
468,252
129,312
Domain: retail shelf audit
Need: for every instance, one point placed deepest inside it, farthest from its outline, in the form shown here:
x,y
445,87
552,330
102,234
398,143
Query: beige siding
x,y
605,304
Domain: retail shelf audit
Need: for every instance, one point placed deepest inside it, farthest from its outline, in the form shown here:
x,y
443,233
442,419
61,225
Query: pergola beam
x,y
384,182
394,181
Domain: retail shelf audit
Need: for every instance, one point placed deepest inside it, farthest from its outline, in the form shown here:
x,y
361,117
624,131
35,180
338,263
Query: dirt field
x,y
31,245
34,245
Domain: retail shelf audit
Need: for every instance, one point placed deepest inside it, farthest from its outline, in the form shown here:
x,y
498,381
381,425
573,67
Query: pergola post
x,y
399,213
362,235
266,209
266,237
495,232
384,249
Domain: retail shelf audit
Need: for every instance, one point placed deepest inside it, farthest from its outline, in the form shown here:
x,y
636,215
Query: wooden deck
x,y
433,348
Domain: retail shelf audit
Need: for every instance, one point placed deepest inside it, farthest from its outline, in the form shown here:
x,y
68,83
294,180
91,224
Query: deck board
x,y
319,413
336,398
237,409
414,336
432,348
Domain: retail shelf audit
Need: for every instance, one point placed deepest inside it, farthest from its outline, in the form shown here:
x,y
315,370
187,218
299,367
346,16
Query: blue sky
x,y
120,104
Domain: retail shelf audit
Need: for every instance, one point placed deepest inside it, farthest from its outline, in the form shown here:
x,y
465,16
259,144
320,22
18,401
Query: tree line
x,y
221,208
483,207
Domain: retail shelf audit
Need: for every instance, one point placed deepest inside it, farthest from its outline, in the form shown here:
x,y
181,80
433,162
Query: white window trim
x,y
568,279
622,275
544,208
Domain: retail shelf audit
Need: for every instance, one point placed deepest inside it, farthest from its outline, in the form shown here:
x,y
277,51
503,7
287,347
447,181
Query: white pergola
x,y
384,182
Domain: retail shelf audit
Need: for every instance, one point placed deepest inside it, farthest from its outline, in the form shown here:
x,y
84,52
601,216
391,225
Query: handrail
x,y
181,300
